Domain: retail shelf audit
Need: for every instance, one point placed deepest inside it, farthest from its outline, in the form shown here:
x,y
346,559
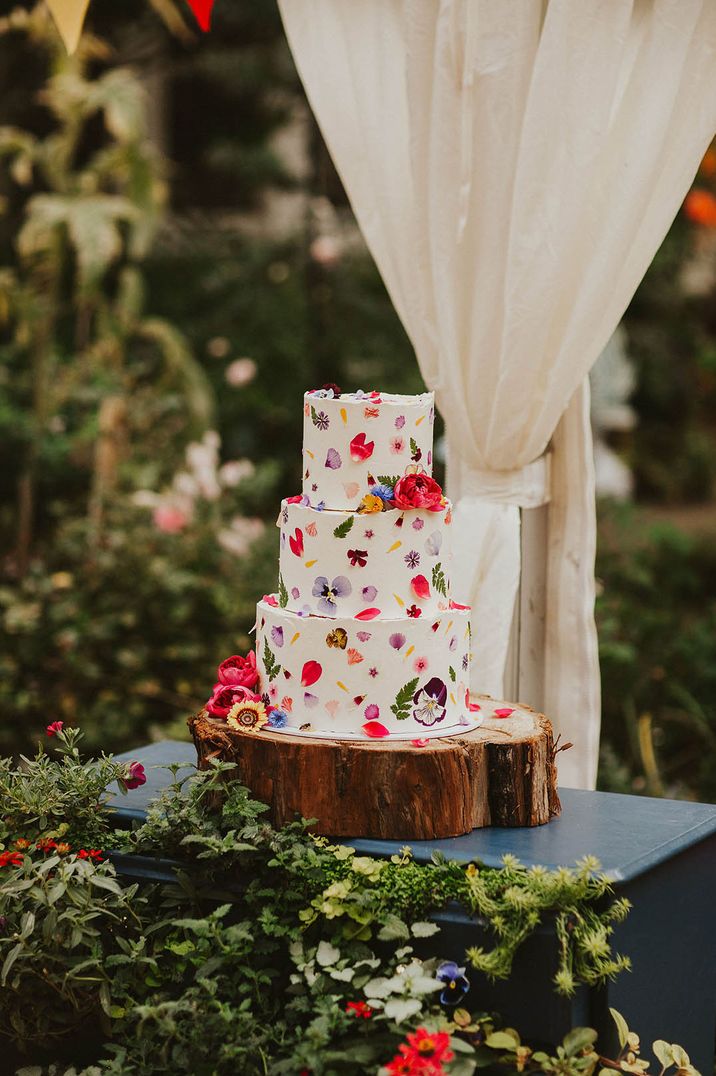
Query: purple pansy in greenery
x,y
455,983
429,702
327,592
277,719
412,559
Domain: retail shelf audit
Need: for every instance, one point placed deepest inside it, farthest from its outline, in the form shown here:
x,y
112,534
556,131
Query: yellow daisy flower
x,y
371,503
247,716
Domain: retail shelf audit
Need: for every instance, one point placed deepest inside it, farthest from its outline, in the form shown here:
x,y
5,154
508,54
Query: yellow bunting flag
x,y
69,16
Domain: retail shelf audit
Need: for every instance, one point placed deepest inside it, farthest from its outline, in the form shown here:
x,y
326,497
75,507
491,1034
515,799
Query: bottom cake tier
x,y
346,678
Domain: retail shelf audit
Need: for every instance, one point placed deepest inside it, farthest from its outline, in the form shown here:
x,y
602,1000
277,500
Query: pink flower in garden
x,y
169,519
239,670
54,728
135,776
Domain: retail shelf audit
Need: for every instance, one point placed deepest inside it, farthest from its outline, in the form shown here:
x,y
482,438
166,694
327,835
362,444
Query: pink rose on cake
x,y
226,696
417,491
238,670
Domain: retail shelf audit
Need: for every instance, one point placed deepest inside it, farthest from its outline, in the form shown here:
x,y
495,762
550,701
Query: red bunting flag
x,y
202,12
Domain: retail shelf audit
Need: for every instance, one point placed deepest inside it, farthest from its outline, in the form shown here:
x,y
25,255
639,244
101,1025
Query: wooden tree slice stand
x,y
500,774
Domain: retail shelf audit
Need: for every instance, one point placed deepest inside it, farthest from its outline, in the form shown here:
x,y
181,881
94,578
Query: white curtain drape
x,y
514,166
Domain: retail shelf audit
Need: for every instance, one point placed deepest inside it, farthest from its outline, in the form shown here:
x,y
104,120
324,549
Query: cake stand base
x,y
500,774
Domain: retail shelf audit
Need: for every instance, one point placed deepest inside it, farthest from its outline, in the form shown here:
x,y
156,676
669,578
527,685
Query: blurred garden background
x,y
178,263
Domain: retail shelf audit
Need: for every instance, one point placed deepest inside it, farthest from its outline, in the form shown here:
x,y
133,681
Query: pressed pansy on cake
x,y
362,639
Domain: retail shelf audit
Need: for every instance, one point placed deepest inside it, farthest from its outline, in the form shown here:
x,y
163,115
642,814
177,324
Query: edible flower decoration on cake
x,y
247,715
429,702
414,489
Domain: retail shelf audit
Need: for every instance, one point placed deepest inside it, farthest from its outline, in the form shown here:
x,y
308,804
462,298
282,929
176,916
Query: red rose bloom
x,y
238,670
226,695
417,491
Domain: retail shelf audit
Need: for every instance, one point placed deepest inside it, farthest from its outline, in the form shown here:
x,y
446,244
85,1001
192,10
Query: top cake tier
x,y
351,440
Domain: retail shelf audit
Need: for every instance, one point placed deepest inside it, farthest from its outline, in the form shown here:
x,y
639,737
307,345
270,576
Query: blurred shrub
x,y
657,629
124,633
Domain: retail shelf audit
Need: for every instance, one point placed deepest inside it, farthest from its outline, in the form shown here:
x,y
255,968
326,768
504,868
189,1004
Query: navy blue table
x,y
661,854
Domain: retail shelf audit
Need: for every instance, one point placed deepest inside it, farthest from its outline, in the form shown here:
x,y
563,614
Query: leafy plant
x,y
403,699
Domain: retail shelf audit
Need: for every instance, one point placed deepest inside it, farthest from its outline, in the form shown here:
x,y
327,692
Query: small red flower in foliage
x,y
430,1049
417,491
46,844
405,1066
54,728
136,776
360,1009
21,844
92,853
11,859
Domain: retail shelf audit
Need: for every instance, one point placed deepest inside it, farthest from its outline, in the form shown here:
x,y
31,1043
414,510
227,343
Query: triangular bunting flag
x,y
202,11
69,15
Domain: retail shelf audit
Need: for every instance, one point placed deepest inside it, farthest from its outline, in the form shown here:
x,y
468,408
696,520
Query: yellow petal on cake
x,y
310,563
467,632
344,416
296,636
453,700
341,686
409,651
447,629
395,545
419,420
309,453
399,600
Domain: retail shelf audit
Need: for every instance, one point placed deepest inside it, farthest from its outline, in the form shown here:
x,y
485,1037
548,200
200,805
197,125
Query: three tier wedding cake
x,y
362,639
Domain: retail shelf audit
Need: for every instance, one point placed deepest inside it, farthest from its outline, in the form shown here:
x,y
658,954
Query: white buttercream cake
x,y
362,639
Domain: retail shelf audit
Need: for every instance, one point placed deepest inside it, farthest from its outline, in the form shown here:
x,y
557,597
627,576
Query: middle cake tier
x,y
384,564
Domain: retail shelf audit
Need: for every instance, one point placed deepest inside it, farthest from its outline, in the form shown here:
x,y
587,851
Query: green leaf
x,y
439,582
503,1040
403,700
622,1027
662,1050
270,663
327,954
282,592
415,452
343,528
452,673
393,929
578,1039
9,961
424,930
400,1009
388,480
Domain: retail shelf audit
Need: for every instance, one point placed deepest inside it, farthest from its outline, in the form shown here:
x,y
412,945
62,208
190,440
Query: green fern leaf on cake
x,y
403,700
452,674
416,454
282,592
342,529
439,582
270,664
388,480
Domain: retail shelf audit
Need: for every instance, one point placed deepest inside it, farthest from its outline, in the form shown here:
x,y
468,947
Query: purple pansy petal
x,y
320,586
369,594
295,593
364,636
341,587
333,460
433,544
310,700
277,636
397,640
453,643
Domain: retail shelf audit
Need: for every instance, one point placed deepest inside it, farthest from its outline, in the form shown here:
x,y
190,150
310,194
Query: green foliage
x,y
254,960
282,592
403,700
656,624
439,582
270,664
343,528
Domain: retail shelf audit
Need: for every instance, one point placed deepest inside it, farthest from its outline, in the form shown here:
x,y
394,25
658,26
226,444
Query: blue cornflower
x,y
277,719
455,984
384,492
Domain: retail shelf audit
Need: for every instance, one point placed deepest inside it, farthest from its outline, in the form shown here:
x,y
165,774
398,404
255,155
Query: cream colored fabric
x,y
514,166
